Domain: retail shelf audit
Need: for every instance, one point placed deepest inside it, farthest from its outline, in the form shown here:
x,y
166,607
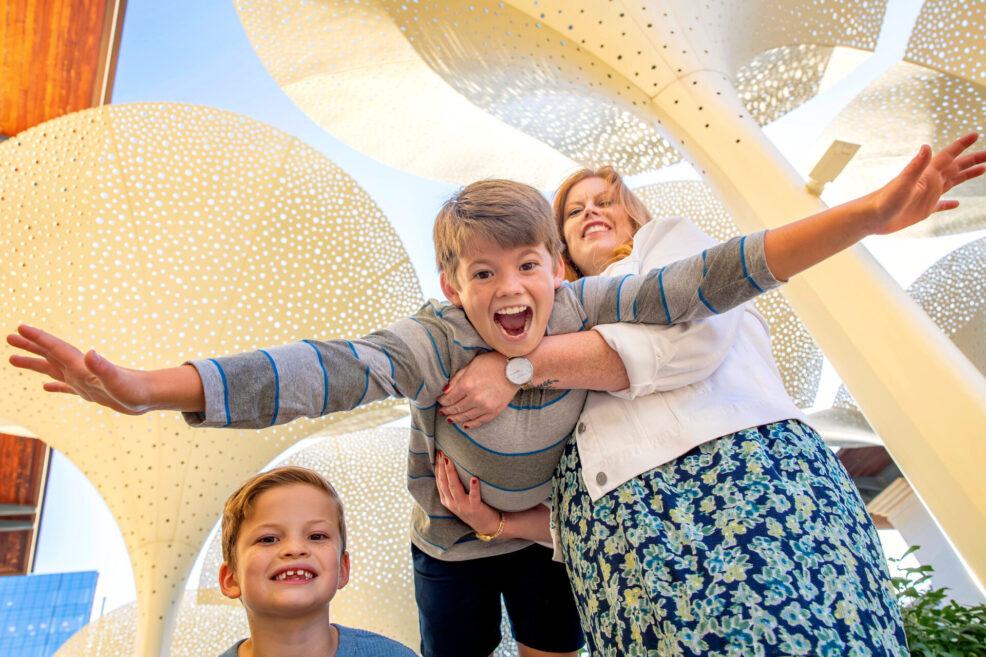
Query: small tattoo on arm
x,y
547,384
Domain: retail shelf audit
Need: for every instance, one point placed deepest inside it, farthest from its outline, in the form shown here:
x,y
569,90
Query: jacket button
x,y
601,478
581,427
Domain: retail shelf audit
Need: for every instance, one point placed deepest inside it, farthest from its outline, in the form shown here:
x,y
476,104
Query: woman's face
x,y
595,225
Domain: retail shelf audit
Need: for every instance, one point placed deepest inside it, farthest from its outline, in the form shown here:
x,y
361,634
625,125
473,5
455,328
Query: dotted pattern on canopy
x,y
348,66
798,358
777,81
950,35
906,107
157,233
531,87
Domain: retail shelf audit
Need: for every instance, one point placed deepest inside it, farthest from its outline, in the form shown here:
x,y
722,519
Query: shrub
x,y
934,627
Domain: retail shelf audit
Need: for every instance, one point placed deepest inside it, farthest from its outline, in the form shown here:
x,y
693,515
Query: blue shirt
x,y
355,643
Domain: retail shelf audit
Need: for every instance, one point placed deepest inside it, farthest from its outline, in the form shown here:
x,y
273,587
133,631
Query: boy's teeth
x,y
294,573
512,310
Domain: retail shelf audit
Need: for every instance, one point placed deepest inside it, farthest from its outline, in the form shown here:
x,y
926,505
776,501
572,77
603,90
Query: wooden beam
x,y
23,467
57,57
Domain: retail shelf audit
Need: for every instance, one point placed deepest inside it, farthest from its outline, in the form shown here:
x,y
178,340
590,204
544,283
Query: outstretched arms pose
x,y
911,196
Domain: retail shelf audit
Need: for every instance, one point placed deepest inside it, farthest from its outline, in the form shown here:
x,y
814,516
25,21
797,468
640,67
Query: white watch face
x,y
519,371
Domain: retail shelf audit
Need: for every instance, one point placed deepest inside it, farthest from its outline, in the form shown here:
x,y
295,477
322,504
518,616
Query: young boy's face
x,y
289,561
507,293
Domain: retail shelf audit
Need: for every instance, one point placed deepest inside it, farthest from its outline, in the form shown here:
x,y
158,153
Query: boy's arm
x,y
255,389
95,379
734,272
312,378
910,197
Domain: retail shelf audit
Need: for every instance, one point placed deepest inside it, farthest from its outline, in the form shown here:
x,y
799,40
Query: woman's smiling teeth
x,y
513,320
594,228
294,575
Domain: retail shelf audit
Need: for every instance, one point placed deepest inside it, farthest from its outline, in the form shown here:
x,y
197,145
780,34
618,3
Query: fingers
x,y
450,491
965,175
452,479
475,496
916,166
19,341
970,160
451,393
39,365
48,345
58,386
440,481
954,149
479,421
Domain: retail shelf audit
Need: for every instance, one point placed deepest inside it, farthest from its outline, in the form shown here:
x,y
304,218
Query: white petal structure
x,y
598,79
461,90
158,233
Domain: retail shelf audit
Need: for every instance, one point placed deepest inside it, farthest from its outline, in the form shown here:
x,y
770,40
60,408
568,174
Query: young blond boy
x,y
284,558
498,254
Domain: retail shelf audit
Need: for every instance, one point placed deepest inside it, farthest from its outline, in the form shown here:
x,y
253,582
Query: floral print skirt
x,y
756,543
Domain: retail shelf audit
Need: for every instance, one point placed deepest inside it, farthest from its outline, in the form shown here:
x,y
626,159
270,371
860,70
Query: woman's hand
x,y
478,392
916,192
95,379
469,507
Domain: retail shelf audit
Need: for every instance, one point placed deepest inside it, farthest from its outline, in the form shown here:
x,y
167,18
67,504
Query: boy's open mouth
x,y
513,320
295,575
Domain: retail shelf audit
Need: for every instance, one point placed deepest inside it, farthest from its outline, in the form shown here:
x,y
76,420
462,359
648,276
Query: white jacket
x,y
689,383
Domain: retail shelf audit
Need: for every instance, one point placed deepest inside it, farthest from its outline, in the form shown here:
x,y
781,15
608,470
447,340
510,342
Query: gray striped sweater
x,y
513,455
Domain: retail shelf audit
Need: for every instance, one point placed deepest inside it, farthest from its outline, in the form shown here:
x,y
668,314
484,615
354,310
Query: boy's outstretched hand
x,y
95,379
916,192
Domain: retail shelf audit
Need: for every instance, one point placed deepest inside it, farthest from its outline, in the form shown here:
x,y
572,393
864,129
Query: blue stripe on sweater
x,y
277,387
325,377
222,377
619,290
743,260
433,344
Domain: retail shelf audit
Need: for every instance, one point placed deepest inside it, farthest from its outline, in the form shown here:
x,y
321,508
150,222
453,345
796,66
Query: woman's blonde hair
x,y
633,206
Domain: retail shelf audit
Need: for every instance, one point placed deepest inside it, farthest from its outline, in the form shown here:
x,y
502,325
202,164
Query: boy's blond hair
x,y
507,213
240,502
631,204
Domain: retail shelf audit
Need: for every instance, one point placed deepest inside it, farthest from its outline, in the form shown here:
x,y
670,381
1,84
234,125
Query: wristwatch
x,y
520,371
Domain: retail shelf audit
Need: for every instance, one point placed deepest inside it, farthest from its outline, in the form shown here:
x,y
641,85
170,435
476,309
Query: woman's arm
x,y
532,524
480,391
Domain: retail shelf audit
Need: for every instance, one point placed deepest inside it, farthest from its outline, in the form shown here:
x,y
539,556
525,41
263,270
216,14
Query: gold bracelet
x,y
490,537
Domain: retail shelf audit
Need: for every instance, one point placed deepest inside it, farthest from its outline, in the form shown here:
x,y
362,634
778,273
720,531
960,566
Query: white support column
x,y
917,390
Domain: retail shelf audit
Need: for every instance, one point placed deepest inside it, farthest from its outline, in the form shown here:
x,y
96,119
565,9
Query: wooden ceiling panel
x,y
56,57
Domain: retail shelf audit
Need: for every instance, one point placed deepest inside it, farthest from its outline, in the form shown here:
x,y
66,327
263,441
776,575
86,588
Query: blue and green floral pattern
x,y
756,543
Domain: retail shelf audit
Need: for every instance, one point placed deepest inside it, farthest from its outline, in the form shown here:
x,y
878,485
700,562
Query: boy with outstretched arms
x,y
284,558
498,254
